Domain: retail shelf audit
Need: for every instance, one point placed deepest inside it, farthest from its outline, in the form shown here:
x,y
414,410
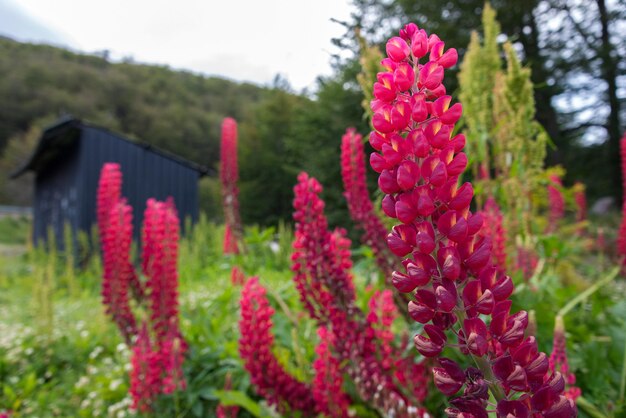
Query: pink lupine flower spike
x,y
447,265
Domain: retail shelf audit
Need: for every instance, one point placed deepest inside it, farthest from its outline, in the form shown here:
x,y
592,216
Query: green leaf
x,y
197,409
30,382
207,394
237,398
9,393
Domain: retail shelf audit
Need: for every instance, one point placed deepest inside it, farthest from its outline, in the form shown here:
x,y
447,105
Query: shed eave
x,y
62,125
68,123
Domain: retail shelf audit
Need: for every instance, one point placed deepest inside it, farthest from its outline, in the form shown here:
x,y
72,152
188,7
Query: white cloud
x,y
240,39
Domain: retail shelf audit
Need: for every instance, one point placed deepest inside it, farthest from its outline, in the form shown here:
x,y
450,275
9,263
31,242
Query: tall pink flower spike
x,y
158,347
361,208
145,373
108,196
556,203
331,400
559,362
229,175
447,266
118,269
160,253
493,228
109,193
359,203
224,411
255,347
321,264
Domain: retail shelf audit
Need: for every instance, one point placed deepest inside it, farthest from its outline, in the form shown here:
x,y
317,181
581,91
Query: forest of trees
x,y
576,50
577,63
281,132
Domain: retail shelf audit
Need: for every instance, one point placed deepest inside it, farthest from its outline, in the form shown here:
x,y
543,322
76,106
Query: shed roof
x,y
66,131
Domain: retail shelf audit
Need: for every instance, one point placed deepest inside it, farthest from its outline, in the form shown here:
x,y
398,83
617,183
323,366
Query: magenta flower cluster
x,y
361,207
493,228
157,345
268,376
556,202
321,263
351,343
359,203
229,175
448,269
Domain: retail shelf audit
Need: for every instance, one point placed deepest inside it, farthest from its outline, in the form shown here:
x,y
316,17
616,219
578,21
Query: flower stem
x,y
591,290
622,385
484,366
589,408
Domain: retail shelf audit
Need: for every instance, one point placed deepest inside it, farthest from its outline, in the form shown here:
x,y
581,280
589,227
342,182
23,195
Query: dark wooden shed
x,y
67,163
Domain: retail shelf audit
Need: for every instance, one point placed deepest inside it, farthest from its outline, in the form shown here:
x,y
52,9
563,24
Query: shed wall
x,y
57,196
145,173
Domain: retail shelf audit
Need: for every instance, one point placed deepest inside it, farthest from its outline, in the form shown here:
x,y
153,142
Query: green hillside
x,y
280,132
176,110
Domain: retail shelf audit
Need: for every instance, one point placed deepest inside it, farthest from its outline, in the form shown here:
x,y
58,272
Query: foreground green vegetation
x,y
60,356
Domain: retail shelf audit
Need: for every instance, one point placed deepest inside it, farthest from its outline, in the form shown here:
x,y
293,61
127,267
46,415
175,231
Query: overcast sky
x,y
239,39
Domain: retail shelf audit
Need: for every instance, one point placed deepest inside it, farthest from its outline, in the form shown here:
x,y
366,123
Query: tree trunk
x,y
613,127
546,114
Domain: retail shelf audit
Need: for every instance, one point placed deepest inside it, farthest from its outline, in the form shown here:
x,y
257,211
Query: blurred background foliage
x,y
578,71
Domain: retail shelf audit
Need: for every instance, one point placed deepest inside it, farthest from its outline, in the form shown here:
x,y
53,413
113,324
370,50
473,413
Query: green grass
x,y
14,230
60,356
69,359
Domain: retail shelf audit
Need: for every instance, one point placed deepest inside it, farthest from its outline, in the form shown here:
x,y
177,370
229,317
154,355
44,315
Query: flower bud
x,y
431,75
385,88
404,76
387,182
516,409
431,345
419,111
397,49
420,312
419,44
382,120
401,240
445,383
